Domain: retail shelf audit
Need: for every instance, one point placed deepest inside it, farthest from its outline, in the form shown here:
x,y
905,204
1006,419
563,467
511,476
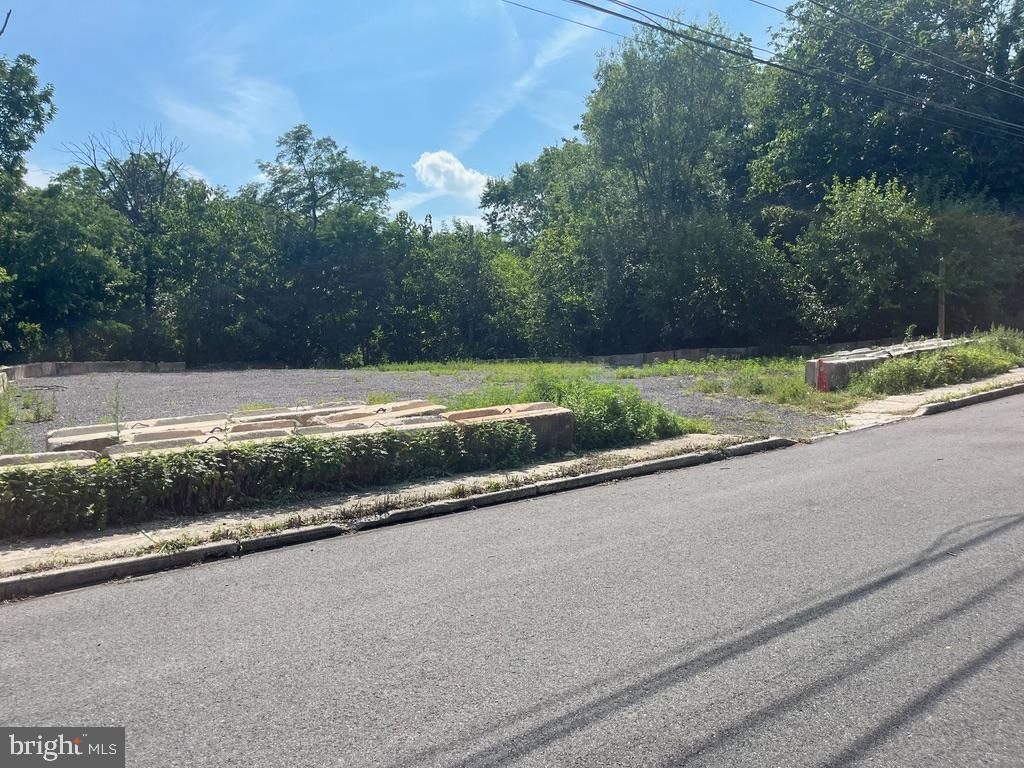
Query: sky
x,y
445,92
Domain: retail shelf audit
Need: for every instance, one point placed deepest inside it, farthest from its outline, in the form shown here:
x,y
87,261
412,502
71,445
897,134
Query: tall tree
x,y
137,175
25,109
311,175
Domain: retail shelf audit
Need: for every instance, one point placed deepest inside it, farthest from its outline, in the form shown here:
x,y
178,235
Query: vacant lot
x,y
100,397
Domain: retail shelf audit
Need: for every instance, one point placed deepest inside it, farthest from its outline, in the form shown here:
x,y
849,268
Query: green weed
x,y
985,357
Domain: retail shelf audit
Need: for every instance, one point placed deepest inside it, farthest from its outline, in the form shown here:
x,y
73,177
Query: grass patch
x,y
496,372
988,355
22,406
777,380
247,407
608,414
713,365
792,390
11,439
710,386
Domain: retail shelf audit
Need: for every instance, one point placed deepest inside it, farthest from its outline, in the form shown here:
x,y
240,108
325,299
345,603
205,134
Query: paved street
x,y
857,601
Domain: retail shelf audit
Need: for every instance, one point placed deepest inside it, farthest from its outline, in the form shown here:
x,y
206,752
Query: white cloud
x,y
554,48
441,170
475,219
191,172
443,174
239,108
38,177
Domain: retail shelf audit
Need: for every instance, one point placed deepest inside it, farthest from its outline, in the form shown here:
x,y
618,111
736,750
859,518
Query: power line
x,y
883,49
907,100
564,18
912,44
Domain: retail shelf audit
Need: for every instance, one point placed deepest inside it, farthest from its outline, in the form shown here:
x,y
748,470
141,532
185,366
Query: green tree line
x,y
707,199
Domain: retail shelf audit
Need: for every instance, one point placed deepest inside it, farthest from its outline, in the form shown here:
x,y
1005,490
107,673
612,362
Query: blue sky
x,y
446,92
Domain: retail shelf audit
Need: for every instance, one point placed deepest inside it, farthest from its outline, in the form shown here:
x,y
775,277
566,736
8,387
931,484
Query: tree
x,y
63,248
974,262
311,175
25,109
866,259
868,104
137,176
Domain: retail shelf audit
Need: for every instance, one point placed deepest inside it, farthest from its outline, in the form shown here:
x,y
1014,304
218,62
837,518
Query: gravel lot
x,y
87,399
733,414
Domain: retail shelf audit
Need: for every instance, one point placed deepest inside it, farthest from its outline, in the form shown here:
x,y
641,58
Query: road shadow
x,y
508,750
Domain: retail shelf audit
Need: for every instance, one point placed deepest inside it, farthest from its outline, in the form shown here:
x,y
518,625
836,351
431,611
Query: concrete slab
x,y
833,371
47,459
401,408
553,426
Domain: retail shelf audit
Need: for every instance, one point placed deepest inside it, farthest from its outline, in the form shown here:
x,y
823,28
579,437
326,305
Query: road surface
x,y
859,601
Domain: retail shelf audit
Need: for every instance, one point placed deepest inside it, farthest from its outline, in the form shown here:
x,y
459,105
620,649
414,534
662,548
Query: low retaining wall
x,y
700,353
833,371
39,370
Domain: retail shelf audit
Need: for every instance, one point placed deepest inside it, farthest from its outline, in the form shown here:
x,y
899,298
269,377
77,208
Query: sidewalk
x,y
899,407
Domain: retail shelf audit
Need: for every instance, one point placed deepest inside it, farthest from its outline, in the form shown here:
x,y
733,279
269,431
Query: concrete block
x,y
202,418
689,354
160,433
348,429
235,429
3,381
657,357
304,415
71,369
175,445
92,441
175,367
48,459
833,371
259,434
401,408
553,426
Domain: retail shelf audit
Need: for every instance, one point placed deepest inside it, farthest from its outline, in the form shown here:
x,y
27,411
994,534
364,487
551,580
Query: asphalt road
x,y
857,601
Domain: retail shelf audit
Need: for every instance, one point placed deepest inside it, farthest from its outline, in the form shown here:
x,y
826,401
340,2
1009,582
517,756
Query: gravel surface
x,y
735,415
88,399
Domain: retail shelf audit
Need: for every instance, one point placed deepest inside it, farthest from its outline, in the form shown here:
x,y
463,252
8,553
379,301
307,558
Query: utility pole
x,y
941,328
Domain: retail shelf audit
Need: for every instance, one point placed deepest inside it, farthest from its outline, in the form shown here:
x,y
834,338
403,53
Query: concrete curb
x,y
35,584
963,402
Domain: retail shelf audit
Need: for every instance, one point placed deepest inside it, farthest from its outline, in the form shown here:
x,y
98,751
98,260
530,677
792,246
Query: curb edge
x,y
89,574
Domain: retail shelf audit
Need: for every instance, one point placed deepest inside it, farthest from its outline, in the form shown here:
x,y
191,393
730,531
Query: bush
x,y
131,490
609,414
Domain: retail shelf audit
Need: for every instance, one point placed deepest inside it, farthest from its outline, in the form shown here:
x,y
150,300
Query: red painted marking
x,y
822,381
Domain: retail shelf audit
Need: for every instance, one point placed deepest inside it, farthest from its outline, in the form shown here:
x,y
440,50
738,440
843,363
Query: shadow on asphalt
x,y
512,748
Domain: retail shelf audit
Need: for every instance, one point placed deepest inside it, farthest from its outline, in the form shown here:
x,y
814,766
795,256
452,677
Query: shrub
x,y
609,414
134,489
936,369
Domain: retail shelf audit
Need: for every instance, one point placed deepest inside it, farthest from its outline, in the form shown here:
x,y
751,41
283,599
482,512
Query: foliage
x,y
25,109
770,379
11,439
135,489
865,257
705,201
607,414
935,369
